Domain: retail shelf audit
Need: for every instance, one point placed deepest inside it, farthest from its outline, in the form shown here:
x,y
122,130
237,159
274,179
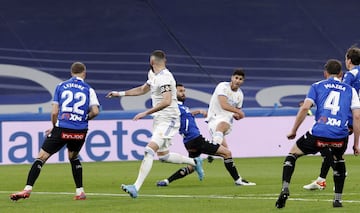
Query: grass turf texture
x,y
54,190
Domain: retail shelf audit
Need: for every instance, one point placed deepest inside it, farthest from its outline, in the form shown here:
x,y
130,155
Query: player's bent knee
x,y
227,153
149,151
218,137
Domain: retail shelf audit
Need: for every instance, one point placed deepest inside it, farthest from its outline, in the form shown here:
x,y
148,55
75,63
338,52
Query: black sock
x,y
34,172
230,166
328,161
325,166
77,172
339,176
179,174
288,167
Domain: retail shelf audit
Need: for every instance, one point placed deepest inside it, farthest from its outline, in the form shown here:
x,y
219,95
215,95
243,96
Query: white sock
x,y
28,187
238,180
177,158
79,190
320,179
145,168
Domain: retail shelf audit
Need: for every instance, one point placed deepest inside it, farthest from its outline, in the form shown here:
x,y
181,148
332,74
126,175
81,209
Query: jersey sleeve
x,y
220,90
93,98
164,83
355,102
349,77
151,75
312,93
56,94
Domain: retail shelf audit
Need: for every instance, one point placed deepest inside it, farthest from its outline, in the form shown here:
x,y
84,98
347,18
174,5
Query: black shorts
x,y
200,145
59,137
310,144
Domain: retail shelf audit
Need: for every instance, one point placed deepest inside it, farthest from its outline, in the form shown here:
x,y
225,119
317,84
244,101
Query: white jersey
x,y
234,98
159,83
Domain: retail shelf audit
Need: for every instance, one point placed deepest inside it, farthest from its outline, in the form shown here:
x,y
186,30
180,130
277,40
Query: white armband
x,y
121,93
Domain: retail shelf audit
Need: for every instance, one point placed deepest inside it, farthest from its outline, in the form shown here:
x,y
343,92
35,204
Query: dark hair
x,y
333,66
179,85
353,53
239,71
159,54
77,67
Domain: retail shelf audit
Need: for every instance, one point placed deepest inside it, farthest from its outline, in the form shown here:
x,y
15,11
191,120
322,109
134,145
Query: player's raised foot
x,y
81,196
130,189
198,168
284,194
320,185
162,183
243,182
337,204
20,195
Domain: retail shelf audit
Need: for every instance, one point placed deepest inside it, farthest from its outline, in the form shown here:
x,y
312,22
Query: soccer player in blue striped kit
x,y
74,104
335,102
351,77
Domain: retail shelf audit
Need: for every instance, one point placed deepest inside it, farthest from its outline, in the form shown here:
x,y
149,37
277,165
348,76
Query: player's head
x,y
333,68
78,69
237,78
180,92
352,57
157,59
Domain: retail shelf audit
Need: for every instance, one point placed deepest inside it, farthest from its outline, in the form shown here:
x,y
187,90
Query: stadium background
x,y
277,42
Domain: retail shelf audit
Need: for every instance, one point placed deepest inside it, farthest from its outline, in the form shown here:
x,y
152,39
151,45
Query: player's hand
x,y
356,150
112,94
239,115
139,116
48,132
291,135
236,116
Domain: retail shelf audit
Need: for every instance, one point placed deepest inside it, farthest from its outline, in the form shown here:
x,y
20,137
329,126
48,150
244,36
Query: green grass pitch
x,y
54,190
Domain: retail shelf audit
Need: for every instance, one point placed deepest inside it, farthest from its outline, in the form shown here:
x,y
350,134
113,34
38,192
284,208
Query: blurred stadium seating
x,y
277,42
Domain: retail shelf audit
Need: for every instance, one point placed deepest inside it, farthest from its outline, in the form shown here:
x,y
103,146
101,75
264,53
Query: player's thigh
x,y
163,132
53,142
306,144
208,148
219,125
199,146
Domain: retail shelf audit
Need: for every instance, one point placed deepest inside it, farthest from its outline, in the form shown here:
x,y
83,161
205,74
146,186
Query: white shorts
x,y
164,130
213,122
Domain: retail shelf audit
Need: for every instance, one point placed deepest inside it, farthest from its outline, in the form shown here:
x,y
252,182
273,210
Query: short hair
x,y
239,71
333,66
179,85
77,67
158,54
353,53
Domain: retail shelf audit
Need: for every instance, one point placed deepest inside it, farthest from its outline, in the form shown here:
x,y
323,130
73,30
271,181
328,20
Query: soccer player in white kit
x,y
225,105
166,121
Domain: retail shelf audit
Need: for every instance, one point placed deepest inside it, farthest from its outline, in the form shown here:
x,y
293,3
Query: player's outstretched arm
x,y
141,90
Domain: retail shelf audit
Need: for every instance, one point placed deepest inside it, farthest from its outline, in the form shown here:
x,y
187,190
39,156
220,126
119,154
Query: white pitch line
x,y
249,196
